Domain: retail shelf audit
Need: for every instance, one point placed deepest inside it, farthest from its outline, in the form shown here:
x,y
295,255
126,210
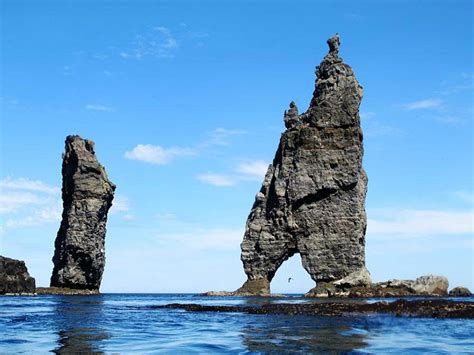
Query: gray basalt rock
x,y
460,292
14,277
79,256
428,285
313,195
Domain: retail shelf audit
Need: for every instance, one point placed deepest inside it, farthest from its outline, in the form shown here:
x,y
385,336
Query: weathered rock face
x,y
428,285
79,256
14,277
312,198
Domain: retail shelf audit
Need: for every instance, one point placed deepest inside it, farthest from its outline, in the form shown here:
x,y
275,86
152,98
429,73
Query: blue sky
x,y
185,103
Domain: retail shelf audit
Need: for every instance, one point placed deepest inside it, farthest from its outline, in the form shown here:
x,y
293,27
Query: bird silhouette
x,y
289,279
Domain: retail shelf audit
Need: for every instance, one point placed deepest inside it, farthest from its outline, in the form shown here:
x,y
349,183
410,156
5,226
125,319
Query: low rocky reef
x,y
64,291
358,285
14,277
416,308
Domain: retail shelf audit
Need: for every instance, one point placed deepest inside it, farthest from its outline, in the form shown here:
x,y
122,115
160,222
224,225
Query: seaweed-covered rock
x,y
14,277
312,200
79,256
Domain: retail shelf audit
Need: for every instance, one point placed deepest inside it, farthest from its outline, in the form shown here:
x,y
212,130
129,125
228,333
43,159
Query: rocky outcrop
x,y
312,198
460,292
79,256
14,277
429,285
64,291
416,308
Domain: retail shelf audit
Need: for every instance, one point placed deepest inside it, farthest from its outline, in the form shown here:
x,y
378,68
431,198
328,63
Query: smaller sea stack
x,y
87,193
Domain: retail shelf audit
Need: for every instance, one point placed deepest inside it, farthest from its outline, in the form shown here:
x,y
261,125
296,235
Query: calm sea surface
x,y
122,323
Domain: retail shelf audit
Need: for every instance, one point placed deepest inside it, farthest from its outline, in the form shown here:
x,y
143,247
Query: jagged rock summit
x,y
14,277
312,200
79,256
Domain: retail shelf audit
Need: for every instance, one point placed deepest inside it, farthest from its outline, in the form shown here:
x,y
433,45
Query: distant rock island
x,y
14,277
312,200
79,256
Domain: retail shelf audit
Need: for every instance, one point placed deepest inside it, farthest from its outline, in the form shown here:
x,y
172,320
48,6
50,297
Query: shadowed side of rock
x,y
14,277
79,256
312,200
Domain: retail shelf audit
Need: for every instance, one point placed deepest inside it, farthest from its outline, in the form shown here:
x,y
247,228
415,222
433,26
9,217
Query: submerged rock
x,y
460,292
14,277
417,308
313,195
79,256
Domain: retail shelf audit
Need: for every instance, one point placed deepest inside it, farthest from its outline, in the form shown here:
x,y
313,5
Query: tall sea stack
x,y
312,200
79,256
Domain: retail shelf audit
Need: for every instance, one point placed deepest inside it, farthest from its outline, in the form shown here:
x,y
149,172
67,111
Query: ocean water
x,y
125,323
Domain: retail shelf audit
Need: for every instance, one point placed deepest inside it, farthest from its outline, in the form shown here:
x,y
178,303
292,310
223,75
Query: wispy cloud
x,y
250,170
408,223
120,204
217,179
99,107
155,154
159,42
221,136
253,169
27,184
28,202
46,214
423,104
12,201
367,115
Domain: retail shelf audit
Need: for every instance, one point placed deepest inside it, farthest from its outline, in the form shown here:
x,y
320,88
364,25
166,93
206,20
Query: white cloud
x,y
407,223
120,204
251,170
217,179
50,213
98,107
254,170
28,202
11,202
154,154
220,136
128,217
423,104
27,184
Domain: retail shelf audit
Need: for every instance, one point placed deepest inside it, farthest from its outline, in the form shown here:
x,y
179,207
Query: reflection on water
x,y
302,334
76,321
117,323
